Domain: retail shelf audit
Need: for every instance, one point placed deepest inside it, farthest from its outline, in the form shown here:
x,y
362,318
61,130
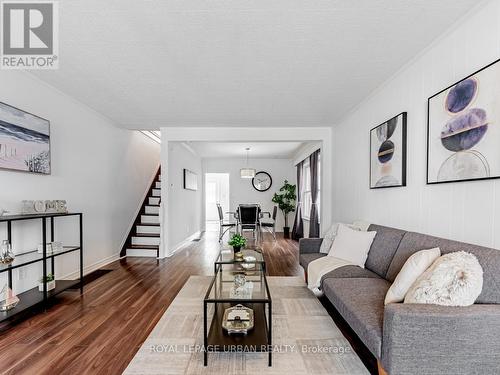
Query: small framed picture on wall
x,y
388,153
190,180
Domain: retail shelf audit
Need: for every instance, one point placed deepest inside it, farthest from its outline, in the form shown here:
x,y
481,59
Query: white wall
x,y
101,170
183,207
242,191
323,135
466,211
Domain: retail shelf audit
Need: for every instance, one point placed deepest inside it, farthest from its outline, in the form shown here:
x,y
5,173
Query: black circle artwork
x,y
388,160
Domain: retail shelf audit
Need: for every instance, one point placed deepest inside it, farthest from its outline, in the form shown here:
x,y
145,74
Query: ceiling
x,y
258,150
153,63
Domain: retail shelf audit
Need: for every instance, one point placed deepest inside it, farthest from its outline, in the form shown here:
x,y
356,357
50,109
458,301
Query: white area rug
x,y
304,335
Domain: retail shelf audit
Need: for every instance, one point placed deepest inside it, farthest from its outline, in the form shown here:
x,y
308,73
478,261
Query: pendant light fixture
x,y
247,172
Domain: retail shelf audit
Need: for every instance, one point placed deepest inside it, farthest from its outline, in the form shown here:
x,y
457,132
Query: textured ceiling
x,y
152,63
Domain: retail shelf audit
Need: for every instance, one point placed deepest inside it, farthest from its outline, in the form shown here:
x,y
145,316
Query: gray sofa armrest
x,y
431,339
309,245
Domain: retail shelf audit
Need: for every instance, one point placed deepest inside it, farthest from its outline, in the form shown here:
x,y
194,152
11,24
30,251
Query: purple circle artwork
x,y
464,131
461,95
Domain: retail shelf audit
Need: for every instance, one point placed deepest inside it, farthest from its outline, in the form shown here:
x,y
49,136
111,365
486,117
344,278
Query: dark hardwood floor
x,y
100,332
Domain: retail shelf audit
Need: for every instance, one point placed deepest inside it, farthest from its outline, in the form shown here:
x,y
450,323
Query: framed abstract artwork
x,y
388,153
463,136
24,141
190,180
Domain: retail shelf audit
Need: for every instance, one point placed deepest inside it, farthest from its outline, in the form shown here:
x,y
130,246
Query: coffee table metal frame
x,y
259,339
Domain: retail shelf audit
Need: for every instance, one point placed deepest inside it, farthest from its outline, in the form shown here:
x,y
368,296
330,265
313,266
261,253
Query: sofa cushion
x,y
360,301
350,272
487,257
383,248
305,259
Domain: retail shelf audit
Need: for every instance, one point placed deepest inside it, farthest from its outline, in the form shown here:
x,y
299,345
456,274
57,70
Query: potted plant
x,y
285,199
237,241
50,280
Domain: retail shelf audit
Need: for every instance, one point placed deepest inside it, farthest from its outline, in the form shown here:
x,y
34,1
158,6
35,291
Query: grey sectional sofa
x,y
414,338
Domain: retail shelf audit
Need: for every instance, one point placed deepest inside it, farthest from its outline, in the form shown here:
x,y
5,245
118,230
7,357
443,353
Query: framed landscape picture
x,y
24,141
463,133
388,153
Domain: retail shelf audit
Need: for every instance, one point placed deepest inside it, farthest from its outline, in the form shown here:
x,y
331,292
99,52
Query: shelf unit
x,y
33,297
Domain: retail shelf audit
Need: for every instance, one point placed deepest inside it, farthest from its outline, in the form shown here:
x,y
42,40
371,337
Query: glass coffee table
x,y
222,294
251,255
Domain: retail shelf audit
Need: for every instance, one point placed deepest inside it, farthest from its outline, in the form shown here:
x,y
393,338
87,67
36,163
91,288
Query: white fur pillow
x,y
360,225
328,239
455,279
410,272
352,245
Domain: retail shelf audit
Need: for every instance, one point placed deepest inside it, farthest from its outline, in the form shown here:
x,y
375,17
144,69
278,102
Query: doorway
x,y
216,192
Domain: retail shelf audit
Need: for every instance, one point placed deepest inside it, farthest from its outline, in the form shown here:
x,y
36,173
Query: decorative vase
x,y
6,254
236,249
50,285
8,299
286,232
239,280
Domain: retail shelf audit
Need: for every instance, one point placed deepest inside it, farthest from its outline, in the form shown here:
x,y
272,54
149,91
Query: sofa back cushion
x,y
383,248
488,258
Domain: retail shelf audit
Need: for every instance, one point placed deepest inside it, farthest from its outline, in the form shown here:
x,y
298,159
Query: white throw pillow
x,y
329,236
352,245
410,272
455,279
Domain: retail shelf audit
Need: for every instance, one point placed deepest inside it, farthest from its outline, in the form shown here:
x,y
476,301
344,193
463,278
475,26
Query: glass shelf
x,y
33,297
30,257
224,283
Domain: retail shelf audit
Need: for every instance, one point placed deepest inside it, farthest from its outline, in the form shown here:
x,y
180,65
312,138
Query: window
x,y
306,189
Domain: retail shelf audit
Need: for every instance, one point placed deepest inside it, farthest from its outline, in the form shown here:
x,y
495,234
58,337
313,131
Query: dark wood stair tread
x,y
146,235
149,224
144,247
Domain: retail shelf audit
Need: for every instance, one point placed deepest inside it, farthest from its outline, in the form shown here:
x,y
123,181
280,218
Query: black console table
x,y
34,297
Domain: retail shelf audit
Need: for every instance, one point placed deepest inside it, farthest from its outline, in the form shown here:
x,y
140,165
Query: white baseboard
x,y
184,242
92,267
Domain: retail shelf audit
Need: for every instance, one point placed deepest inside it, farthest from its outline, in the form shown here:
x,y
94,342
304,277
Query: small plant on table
x,y
49,279
237,241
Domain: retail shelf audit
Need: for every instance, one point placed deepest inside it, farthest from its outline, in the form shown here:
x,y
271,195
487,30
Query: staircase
x,y
144,237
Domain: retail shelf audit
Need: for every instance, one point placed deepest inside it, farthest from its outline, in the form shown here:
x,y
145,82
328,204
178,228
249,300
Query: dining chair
x,y
224,226
248,218
269,222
